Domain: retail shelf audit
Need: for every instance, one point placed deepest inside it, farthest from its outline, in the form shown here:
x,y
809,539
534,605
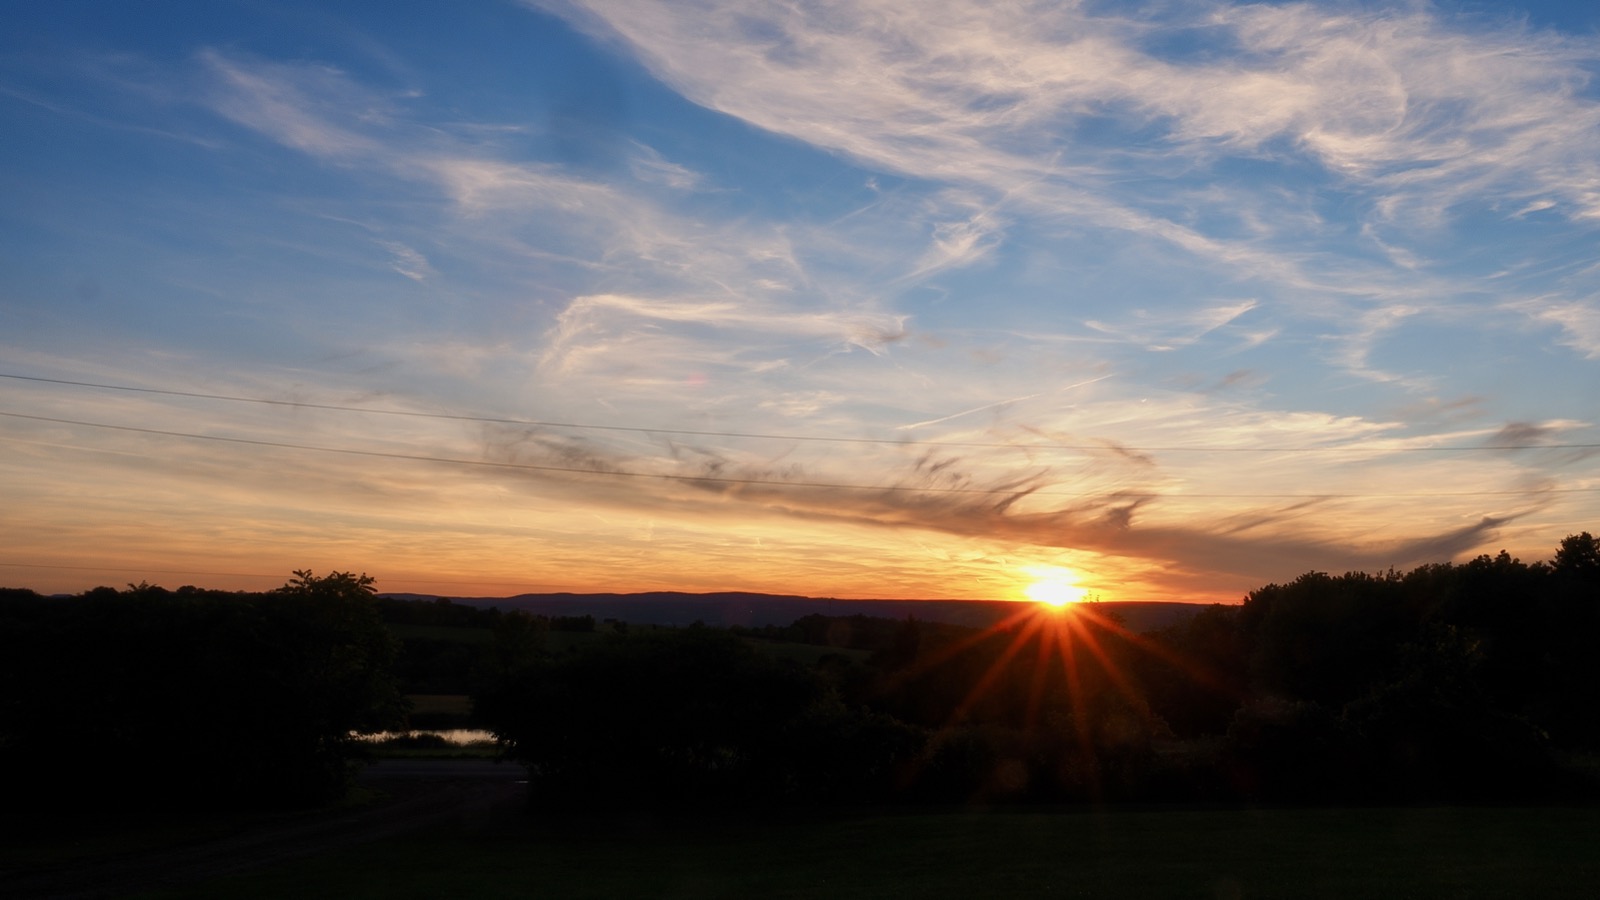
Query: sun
x,y
1054,593
1054,587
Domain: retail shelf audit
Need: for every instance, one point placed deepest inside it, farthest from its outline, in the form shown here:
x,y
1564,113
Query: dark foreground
x,y
131,855
455,829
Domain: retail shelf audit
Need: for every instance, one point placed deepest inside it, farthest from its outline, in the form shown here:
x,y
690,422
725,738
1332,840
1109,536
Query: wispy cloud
x,y
406,261
323,112
650,166
966,91
1189,294
1579,321
621,327
1177,329
1406,114
299,105
1272,542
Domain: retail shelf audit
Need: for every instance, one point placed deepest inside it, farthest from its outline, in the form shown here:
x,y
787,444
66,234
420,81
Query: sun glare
x,y
1055,587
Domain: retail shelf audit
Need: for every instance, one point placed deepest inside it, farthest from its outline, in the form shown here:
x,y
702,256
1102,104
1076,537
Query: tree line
x,y
192,697
1469,681
1450,682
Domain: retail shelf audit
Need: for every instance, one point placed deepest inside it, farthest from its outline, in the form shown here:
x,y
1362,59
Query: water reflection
x,y
458,736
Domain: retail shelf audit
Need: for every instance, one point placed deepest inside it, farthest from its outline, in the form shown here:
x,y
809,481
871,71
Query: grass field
x,y
1222,853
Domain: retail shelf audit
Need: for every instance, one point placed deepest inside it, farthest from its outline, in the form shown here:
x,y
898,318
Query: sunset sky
x,y
854,299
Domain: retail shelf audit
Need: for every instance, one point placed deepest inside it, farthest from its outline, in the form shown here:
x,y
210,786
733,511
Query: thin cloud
x,y
650,166
480,185
1399,98
1276,545
959,241
1162,271
1407,113
595,328
1579,322
1168,330
407,261
998,404
300,105
1518,434
296,104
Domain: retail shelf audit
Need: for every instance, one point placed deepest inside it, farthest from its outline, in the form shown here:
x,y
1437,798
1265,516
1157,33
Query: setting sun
x,y
1054,587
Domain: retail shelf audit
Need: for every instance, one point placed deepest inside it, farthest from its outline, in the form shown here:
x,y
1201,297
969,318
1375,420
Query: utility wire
x,y
518,586
636,429
717,479
143,571
138,570
532,467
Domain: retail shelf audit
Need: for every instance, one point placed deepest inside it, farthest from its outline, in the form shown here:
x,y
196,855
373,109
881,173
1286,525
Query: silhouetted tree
x,y
1323,638
1286,749
1203,674
185,698
686,717
1578,558
1433,733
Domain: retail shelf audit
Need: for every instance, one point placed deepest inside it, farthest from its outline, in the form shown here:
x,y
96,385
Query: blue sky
x,y
854,299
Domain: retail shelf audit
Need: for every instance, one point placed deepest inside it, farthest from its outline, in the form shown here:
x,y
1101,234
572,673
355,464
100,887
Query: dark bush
x,y
192,699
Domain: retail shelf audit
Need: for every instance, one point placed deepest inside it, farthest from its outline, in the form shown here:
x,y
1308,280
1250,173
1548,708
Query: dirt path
x,y
420,794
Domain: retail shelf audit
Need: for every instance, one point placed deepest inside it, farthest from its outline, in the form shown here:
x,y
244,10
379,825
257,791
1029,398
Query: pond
x,y
458,736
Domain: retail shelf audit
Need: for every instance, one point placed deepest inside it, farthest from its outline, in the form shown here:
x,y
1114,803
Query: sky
x,y
868,299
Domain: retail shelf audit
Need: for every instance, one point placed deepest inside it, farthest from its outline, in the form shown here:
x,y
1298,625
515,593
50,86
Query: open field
x,y
1421,853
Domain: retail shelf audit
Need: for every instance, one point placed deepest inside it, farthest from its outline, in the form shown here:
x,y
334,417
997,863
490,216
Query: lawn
x,y
1224,853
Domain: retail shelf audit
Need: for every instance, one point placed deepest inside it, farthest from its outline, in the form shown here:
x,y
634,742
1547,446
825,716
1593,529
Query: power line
x,y
770,482
536,423
533,467
507,588
139,570
135,569
639,429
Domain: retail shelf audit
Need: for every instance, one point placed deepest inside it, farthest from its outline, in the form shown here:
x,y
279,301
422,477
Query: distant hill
x,y
756,610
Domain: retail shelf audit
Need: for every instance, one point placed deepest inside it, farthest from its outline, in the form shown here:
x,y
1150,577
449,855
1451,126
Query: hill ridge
x,y
754,610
